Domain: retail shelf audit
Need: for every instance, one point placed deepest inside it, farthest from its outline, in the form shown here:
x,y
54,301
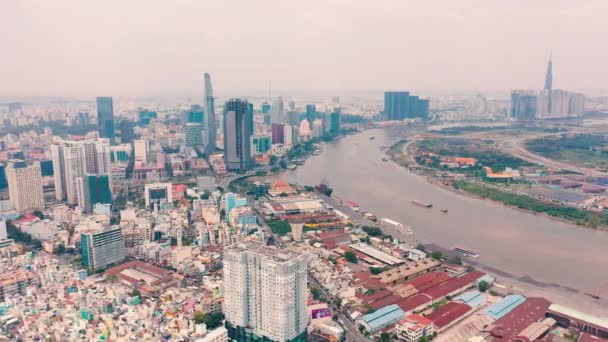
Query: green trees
x,y
350,256
437,255
280,227
483,286
579,216
212,320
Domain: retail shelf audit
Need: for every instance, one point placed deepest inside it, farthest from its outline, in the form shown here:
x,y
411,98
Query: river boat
x,y
396,225
423,204
466,251
444,211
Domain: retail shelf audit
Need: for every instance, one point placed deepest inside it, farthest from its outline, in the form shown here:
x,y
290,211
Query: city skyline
x,y
441,46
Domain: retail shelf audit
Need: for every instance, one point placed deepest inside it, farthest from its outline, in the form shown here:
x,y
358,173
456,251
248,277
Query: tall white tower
x,y
265,291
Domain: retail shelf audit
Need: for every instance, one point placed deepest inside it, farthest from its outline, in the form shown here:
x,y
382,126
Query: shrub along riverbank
x,y
575,215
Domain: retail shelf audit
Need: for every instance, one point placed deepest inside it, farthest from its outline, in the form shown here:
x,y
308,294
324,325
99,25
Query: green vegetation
x,y
579,216
396,147
212,320
316,293
439,304
350,256
437,255
483,286
385,337
280,227
482,150
376,270
510,129
353,119
135,293
372,231
22,237
587,150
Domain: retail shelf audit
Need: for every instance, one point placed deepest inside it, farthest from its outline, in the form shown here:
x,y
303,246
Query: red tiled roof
x,y
429,280
379,304
414,302
417,318
376,296
453,284
331,233
448,313
530,311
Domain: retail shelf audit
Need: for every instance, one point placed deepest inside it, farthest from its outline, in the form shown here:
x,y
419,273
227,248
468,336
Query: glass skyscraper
x,y
238,129
105,117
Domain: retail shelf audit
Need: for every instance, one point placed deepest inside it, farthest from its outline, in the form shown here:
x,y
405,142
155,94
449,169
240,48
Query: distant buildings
x,y
311,114
24,185
547,103
76,159
210,127
105,117
278,136
238,129
335,121
194,134
399,105
158,193
93,189
260,144
268,300
102,248
141,148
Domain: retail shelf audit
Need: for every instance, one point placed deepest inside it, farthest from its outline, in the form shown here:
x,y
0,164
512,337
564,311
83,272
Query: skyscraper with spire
x,y
210,128
549,83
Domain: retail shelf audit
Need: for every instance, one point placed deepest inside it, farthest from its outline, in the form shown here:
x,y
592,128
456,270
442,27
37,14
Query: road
x,y
351,331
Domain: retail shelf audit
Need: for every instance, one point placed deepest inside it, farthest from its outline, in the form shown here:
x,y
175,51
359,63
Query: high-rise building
x,y
195,114
3,183
277,112
121,153
210,127
311,114
546,103
145,116
93,189
265,293
46,167
399,105
24,185
278,133
102,248
105,117
265,108
194,134
549,83
396,105
141,150
74,159
260,144
238,129
335,121
288,137
159,194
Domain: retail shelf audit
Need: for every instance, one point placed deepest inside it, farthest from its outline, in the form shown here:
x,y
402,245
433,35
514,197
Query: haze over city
x,y
303,171
149,48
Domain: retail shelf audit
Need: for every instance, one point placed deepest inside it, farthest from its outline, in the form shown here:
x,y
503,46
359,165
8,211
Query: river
x,y
519,243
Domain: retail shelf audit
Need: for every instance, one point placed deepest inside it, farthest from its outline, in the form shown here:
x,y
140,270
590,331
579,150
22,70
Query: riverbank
x,y
507,282
400,154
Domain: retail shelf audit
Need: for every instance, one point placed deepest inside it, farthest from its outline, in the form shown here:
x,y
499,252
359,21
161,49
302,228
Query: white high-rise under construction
x,y
75,159
265,291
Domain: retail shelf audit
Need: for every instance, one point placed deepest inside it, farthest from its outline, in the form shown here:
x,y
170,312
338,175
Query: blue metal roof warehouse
x,y
382,318
510,302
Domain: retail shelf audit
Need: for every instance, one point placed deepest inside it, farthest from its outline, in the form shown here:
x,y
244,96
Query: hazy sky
x,y
155,47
